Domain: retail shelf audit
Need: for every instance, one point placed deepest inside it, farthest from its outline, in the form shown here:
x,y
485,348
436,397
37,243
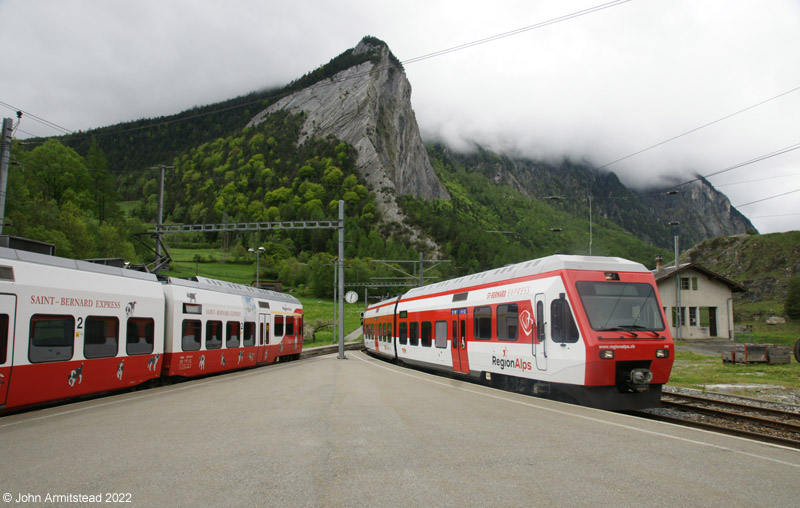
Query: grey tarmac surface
x,y
361,432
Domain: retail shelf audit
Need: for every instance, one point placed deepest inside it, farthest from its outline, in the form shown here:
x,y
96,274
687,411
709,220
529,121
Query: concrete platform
x,y
361,432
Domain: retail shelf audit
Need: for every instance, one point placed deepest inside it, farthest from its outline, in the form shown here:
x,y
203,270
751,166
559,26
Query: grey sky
x,y
597,87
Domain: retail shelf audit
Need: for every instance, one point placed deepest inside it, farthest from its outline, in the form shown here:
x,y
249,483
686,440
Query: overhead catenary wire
x,y
39,119
760,158
767,198
691,131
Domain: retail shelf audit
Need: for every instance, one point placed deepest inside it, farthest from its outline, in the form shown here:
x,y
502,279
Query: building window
x,y
688,283
676,320
692,316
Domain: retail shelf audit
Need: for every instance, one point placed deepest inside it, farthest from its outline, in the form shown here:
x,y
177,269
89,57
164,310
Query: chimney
x,y
659,262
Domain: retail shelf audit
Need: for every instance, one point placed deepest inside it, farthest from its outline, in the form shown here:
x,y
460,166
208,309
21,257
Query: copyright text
x,y
107,497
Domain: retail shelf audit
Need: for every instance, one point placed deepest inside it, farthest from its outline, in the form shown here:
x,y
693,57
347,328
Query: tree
x,y
54,169
792,304
105,195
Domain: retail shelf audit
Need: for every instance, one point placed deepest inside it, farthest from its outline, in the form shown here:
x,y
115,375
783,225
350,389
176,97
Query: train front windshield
x,y
621,306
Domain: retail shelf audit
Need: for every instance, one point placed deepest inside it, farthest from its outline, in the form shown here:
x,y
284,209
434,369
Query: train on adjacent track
x,y
73,328
589,330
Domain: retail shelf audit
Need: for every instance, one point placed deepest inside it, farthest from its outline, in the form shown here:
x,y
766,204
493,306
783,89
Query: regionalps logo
x,y
509,363
526,322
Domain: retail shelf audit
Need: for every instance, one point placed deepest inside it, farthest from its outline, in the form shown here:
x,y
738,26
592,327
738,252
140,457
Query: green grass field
x,y
692,370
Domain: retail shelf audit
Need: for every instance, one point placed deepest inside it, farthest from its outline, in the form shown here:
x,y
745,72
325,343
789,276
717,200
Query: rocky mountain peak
x,y
368,105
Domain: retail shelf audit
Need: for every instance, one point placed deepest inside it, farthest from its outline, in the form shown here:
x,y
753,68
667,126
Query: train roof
x,y
73,264
233,288
529,268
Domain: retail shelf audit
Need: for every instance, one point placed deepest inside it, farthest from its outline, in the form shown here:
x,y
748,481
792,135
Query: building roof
x,y
667,272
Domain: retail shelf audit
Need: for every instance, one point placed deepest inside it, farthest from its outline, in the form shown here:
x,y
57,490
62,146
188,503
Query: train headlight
x,y
606,354
662,353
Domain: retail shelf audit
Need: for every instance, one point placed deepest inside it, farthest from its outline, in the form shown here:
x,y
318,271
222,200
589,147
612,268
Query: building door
x,y
712,321
8,309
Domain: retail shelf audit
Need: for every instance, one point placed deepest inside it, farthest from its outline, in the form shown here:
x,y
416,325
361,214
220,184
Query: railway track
x,y
744,418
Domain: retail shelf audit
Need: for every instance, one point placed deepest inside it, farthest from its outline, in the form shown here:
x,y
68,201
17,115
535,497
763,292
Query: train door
x,y
540,334
8,309
263,335
458,334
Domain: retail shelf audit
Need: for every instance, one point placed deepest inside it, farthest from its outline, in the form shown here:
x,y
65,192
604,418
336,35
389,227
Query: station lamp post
x,y
258,253
678,316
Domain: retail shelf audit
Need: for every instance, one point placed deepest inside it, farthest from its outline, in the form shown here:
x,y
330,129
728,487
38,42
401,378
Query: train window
x,y
440,338
249,333
507,321
483,323
52,338
562,324
139,337
299,327
403,333
426,333
413,333
540,336
190,335
213,334
278,327
232,334
101,338
454,345
615,306
289,326
3,338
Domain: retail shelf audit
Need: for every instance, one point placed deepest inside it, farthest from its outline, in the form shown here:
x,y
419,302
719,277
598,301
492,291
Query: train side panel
x,y
71,328
207,331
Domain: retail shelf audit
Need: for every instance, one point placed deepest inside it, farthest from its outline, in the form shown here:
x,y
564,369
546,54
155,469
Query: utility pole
x,y
5,155
160,214
340,295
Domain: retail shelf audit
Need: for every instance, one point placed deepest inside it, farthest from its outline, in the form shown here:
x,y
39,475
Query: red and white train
x,y
589,330
73,328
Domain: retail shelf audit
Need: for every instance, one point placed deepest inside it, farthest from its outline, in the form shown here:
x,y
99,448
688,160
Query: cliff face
x,y
369,106
703,212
